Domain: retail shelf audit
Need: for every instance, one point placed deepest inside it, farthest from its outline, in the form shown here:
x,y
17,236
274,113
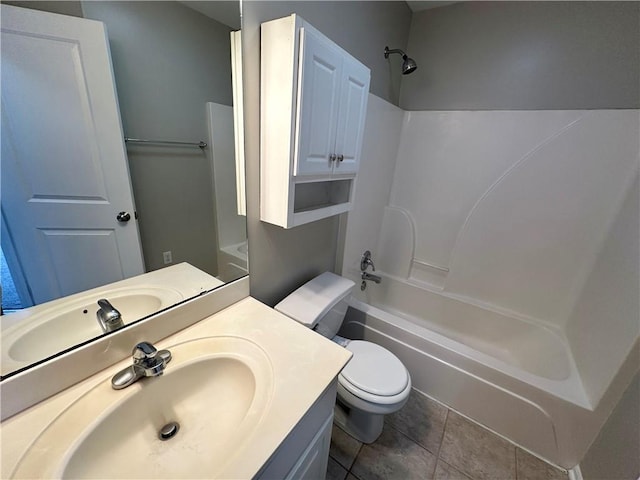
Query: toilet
x,y
375,382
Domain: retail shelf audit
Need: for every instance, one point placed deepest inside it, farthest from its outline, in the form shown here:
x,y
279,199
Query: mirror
x,y
173,77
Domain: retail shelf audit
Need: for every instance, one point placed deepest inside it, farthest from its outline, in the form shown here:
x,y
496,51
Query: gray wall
x,y
169,60
361,28
280,260
72,8
615,453
525,56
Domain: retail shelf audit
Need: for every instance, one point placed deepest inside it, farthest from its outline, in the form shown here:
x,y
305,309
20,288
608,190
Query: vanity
x,y
248,392
252,391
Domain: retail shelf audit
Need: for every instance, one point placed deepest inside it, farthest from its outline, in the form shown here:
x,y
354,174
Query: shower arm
x,y
409,65
388,52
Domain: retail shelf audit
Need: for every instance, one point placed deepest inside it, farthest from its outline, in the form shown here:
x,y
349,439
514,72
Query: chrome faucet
x,y
147,362
365,261
108,317
370,276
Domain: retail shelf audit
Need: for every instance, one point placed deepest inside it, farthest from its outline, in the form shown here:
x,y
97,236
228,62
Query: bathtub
x,y
514,376
233,261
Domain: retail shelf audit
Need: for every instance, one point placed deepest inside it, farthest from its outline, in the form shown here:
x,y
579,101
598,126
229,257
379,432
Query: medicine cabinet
x,y
313,107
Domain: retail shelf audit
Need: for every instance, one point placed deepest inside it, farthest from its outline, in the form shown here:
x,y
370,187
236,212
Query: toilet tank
x,y
319,304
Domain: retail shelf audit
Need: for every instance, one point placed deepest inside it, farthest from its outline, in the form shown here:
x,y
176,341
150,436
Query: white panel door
x,y
351,115
318,97
65,175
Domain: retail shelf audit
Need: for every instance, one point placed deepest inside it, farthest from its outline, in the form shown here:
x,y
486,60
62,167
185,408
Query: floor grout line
x,y
413,441
444,431
437,454
355,459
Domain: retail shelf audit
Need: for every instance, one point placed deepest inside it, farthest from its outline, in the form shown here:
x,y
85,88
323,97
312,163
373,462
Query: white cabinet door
x,y
318,97
351,116
312,111
65,175
312,464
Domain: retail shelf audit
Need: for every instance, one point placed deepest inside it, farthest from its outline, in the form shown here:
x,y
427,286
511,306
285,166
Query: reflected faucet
x,y
108,317
147,362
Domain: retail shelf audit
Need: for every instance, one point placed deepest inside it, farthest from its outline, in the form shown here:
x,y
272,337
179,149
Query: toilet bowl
x,y
375,382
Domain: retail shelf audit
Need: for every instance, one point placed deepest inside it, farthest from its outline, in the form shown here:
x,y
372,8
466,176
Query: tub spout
x,y
371,276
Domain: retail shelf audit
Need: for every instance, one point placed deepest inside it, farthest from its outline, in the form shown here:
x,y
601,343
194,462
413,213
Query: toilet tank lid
x,y
314,299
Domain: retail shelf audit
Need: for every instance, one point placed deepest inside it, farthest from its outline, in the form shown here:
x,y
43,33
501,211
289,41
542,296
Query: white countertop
x,y
303,364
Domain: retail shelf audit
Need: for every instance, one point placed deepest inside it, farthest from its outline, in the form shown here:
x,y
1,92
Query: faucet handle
x,y
365,261
147,362
143,351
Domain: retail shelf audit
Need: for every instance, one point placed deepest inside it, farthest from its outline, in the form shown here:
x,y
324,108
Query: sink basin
x,y
68,323
217,389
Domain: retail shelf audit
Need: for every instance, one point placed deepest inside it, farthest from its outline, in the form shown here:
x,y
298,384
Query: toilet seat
x,y
374,374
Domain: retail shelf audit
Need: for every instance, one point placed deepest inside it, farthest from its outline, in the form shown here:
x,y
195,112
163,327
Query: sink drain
x,y
168,431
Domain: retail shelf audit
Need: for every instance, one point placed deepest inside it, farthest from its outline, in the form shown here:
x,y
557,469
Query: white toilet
x,y
374,382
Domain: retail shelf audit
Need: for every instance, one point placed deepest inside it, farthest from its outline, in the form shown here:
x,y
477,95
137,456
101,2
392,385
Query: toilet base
x,y
363,426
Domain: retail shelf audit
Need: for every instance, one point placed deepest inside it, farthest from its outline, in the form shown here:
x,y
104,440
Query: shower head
x,y
409,65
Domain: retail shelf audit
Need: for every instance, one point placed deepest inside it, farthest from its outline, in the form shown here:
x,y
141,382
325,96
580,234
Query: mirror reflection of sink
x,y
72,322
217,389
38,332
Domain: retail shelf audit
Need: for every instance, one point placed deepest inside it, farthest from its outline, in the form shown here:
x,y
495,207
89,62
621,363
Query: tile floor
x,y
426,440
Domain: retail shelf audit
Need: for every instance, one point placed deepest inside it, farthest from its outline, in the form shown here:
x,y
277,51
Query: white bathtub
x,y
518,348
516,377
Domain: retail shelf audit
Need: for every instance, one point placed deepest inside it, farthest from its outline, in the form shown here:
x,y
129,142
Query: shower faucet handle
x,y
365,261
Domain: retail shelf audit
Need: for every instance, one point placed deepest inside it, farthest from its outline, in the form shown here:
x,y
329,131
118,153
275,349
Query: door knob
x,y
123,217
332,157
340,158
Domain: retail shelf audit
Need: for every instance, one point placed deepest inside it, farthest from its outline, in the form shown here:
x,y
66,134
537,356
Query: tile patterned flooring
x,y
426,440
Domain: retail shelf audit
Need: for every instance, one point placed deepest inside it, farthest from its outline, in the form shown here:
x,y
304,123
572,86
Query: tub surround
x,y
301,372
604,301
517,224
504,240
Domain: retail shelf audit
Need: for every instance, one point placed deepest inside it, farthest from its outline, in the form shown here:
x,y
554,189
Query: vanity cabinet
x,y
313,107
304,453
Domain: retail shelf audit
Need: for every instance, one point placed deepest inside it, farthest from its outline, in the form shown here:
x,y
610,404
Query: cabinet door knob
x,y
332,157
340,158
